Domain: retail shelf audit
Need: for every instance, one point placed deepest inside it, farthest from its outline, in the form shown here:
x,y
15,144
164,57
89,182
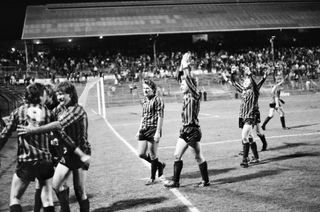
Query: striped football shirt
x,y
30,147
190,110
152,109
249,98
74,122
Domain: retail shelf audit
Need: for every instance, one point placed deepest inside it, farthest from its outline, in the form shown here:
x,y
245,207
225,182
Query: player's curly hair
x,y
33,93
151,84
68,88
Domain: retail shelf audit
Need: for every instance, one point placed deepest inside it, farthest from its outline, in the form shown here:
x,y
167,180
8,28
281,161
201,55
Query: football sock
x,y
154,167
160,167
254,150
48,209
15,208
264,142
283,122
146,157
84,205
245,151
177,167
268,118
37,200
63,197
204,171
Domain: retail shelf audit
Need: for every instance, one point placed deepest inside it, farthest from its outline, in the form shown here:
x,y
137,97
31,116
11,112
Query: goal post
x,y
101,98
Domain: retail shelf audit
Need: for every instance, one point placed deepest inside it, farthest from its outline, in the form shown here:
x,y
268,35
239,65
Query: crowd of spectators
x,y
300,63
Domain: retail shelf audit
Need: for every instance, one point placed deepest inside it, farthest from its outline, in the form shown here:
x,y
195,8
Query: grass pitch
x,y
287,179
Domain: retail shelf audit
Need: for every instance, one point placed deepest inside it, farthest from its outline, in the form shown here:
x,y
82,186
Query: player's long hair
x,y
33,93
68,88
52,94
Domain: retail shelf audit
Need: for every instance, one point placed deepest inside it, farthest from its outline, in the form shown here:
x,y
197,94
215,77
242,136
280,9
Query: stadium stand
x,y
162,17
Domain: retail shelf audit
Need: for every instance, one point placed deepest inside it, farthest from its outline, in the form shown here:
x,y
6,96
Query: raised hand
x,y
225,77
185,61
247,71
267,72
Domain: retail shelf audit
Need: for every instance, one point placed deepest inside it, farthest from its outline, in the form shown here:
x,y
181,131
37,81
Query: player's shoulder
x,y
76,108
159,99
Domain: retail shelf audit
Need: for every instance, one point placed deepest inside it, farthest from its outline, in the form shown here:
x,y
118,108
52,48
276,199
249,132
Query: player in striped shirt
x,y
56,150
72,125
275,104
249,116
190,132
34,158
150,129
50,102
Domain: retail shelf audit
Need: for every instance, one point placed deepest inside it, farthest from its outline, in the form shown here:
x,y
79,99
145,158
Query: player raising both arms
x,y
249,116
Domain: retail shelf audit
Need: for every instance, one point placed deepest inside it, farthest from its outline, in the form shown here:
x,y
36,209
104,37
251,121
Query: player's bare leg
x,y
181,148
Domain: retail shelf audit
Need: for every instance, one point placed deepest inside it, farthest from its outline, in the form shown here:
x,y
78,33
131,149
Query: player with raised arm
x,y
71,125
34,157
190,132
249,116
275,104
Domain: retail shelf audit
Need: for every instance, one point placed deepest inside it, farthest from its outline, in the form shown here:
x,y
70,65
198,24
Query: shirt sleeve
x,y
72,115
237,86
254,85
11,126
68,142
260,83
160,107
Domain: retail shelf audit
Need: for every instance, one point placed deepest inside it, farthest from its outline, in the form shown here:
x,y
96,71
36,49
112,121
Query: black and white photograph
x,y
159,105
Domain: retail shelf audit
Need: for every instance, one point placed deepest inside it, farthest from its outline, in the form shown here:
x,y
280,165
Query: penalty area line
x,y
175,191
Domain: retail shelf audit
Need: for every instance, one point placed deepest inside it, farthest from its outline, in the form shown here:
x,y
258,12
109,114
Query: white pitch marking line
x,y
94,111
175,191
238,140
204,114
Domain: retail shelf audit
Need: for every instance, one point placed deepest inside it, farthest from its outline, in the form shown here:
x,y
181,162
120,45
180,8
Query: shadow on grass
x,y
73,198
27,207
171,209
248,176
291,156
302,125
290,145
196,174
130,203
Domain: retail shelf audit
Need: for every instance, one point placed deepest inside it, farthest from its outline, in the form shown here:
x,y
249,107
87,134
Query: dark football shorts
x,y
73,162
272,105
251,121
190,134
147,134
241,122
28,171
